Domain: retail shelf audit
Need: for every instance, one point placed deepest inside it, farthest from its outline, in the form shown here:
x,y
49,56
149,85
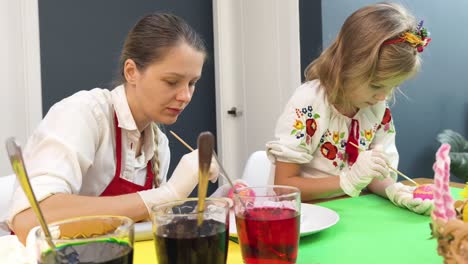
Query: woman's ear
x,y
130,71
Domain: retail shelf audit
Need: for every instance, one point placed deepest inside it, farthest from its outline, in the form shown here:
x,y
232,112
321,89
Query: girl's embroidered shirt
x,y
311,132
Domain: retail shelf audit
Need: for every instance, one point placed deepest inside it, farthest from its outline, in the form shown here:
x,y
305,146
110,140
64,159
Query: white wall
x,y
20,89
257,55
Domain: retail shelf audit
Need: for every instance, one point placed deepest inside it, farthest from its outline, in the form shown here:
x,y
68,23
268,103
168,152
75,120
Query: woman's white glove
x,y
370,164
402,196
13,252
181,183
225,191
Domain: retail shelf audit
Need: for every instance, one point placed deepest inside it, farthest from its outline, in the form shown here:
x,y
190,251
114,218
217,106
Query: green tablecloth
x,y
371,230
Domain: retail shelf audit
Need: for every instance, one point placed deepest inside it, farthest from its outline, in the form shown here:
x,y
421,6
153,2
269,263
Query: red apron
x,y
119,185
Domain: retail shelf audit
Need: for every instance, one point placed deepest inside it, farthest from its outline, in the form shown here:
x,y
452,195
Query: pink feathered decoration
x,y
443,201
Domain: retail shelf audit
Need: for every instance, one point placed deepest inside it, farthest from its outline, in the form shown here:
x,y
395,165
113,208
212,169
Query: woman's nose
x,y
184,94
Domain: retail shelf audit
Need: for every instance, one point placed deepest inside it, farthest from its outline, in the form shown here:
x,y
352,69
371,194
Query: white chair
x,y
258,170
7,184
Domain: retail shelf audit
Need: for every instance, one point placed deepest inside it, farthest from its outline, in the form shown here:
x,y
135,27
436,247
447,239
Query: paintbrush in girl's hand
x,y
388,165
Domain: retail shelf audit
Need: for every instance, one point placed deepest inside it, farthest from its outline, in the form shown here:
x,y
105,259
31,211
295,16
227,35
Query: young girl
x,y
100,151
342,102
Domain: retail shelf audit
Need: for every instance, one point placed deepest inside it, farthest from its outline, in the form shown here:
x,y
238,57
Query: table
x,y
431,181
371,230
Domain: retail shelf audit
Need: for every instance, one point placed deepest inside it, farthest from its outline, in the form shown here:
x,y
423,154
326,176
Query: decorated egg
x,y
239,185
424,191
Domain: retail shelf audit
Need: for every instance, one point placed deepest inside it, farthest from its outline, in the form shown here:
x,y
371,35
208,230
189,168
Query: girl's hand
x,y
369,165
402,196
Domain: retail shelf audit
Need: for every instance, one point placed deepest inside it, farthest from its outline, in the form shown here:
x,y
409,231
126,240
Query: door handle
x,y
234,112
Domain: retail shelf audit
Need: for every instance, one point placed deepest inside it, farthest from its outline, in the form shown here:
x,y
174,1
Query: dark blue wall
x,y
310,23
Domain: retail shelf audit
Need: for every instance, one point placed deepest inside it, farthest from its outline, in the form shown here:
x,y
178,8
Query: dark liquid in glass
x,y
108,251
269,235
183,242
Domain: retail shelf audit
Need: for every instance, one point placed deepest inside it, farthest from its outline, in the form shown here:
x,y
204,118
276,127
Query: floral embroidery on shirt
x,y
386,124
332,147
329,150
305,125
366,136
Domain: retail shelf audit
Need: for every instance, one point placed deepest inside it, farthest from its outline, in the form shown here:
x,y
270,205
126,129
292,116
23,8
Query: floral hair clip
x,y
417,39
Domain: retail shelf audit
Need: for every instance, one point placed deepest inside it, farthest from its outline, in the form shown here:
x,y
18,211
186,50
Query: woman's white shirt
x,y
73,149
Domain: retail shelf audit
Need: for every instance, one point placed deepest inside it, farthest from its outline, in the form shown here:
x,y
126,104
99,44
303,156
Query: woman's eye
x,y
192,84
171,83
376,87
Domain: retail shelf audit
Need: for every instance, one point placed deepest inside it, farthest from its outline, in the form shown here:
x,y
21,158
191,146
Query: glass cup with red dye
x,y
268,223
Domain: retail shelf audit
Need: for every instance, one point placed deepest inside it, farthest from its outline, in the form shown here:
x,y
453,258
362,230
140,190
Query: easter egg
x,y
239,185
424,191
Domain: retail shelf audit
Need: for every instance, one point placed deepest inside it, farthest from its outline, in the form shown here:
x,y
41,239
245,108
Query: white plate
x,y
314,218
143,231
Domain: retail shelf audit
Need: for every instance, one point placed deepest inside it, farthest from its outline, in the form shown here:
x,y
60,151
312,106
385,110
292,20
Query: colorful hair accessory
x,y
417,39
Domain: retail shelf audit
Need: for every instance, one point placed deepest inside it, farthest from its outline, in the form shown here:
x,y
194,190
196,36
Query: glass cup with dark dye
x,y
268,223
180,238
90,239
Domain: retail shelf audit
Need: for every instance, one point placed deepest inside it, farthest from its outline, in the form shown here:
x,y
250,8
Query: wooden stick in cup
x,y
388,165
205,153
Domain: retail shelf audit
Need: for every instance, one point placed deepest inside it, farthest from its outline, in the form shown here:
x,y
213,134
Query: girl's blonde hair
x,y
357,56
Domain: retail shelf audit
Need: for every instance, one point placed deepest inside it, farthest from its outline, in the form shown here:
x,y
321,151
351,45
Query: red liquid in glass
x,y
269,235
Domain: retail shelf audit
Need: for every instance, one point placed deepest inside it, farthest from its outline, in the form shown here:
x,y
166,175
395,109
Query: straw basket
x,y
452,236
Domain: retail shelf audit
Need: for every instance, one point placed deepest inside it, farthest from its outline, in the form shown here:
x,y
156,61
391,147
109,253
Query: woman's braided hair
x,y
155,160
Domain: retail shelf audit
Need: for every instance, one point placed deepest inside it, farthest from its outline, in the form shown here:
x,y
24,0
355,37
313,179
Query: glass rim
x,y
295,191
127,222
157,207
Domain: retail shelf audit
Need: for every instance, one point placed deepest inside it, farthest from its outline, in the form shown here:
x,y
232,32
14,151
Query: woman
x,y
100,151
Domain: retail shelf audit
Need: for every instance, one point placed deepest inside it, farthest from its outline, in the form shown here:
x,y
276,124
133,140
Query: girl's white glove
x,y
181,183
402,196
370,164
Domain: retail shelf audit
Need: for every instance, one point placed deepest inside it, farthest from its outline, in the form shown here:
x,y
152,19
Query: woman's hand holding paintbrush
x,y
222,171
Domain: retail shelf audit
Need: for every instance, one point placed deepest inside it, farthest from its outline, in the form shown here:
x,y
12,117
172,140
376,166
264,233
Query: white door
x,y
257,61
20,76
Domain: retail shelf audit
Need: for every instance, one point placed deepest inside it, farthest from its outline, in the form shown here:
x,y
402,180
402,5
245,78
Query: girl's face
x,y
164,88
368,95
